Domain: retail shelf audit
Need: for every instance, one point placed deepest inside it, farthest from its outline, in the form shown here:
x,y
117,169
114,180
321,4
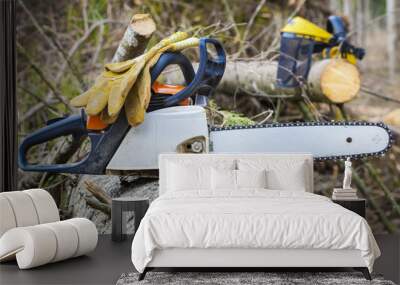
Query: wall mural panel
x,y
74,54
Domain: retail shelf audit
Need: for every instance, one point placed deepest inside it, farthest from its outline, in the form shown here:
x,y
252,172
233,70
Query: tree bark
x,y
255,77
329,80
136,37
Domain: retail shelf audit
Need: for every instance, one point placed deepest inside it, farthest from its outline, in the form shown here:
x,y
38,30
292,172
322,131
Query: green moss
x,y
230,118
236,119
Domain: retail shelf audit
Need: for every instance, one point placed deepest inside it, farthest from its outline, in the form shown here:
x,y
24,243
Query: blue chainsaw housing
x,y
200,86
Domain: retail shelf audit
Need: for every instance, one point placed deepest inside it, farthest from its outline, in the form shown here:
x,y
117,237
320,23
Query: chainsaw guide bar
x,y
316,124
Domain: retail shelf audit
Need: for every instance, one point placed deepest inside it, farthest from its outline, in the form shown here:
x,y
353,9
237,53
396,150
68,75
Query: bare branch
x,y
249,25
97,192
44,78
98,206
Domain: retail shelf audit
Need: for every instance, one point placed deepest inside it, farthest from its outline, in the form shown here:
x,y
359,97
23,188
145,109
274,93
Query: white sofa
x,y
31,231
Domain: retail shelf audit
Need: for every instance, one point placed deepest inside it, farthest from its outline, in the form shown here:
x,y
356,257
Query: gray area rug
x,y
233,278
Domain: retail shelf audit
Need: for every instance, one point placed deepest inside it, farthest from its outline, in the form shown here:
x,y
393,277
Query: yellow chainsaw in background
x,y
300,39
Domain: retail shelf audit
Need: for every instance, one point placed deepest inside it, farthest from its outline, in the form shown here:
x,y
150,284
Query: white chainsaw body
x,y
162,131
166,129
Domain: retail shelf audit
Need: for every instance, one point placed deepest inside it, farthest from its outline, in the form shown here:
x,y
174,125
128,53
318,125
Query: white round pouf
x,y
32,233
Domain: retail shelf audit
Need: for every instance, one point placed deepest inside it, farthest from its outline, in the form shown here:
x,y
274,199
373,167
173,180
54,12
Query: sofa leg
x,y
364,271
143,274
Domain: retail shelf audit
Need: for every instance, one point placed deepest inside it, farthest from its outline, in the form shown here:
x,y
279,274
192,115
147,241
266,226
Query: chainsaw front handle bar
x,y
170,58
157,101
201,84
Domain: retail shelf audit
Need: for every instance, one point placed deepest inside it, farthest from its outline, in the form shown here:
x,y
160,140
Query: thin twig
x,y
391,228
46,102
33,110
52,42
250,24
373,93
79,43
99,45
378,180
44,78
84,15
231,18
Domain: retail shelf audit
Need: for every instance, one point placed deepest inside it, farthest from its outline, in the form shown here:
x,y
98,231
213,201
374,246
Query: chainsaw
x,y
176,121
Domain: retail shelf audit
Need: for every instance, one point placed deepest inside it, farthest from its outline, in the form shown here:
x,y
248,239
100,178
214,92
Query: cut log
x,y
256,77
336,80
136,37
330,80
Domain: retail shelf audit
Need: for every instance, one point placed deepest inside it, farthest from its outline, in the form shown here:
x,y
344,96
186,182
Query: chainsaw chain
x,y
332,123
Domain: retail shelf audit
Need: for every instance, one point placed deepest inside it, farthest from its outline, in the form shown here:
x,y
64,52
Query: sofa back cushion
x,y
180,172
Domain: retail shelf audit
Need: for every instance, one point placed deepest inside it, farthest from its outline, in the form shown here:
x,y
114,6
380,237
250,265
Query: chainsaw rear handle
x,y
199,85
74,125
103,145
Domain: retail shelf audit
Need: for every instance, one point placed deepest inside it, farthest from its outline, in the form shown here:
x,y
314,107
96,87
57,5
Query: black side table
x,y
118,216
356,205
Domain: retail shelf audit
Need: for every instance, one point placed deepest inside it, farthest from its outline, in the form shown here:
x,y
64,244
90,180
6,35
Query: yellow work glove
x,y
139,96
113,85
